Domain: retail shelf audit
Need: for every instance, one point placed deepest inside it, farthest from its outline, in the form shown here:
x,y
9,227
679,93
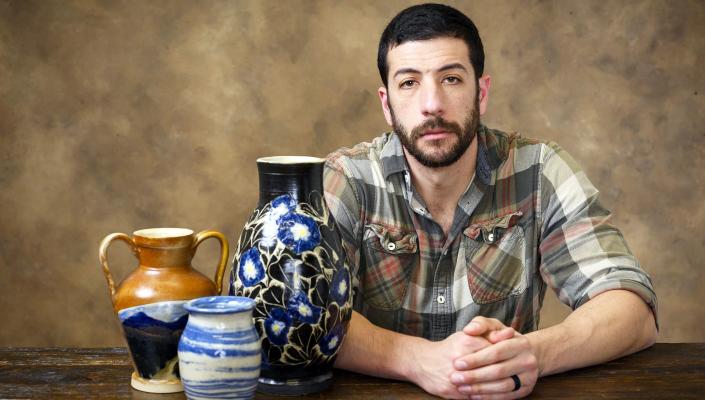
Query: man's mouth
x,y
435,134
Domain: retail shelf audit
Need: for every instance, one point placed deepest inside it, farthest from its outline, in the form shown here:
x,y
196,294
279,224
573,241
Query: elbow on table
x,y
649,332
643,319
652,336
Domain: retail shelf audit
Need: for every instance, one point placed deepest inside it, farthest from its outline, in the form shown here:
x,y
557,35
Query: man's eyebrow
x,y
441,69
406,71
452,66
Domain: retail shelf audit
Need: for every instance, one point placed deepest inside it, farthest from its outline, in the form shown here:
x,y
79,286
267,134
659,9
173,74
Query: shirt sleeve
x,y
343,203
582,254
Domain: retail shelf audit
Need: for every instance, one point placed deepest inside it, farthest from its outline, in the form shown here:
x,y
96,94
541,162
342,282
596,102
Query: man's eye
x,y
452,79
407,83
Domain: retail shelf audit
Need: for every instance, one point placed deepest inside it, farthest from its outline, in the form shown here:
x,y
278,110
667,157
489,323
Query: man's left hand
x,y
487,373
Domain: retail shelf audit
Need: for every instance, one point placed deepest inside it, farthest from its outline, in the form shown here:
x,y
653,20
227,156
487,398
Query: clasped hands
x,y
479,362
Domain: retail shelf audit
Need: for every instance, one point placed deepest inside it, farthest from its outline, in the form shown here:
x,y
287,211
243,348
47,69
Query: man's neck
x,y
441,188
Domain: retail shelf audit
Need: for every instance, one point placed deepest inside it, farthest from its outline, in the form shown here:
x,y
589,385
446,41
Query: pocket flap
x,y
391,241
492,229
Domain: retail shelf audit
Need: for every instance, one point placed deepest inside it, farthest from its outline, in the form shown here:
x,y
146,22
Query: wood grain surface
x,y
664,371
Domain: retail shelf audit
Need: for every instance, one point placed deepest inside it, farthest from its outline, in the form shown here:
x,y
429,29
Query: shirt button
x,y
391,246
441,299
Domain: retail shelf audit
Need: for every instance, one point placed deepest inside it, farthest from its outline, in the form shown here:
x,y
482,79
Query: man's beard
x,y
439,158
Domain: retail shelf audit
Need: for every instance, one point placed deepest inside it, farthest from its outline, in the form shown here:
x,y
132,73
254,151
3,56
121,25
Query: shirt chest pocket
x,y
389,256
495,253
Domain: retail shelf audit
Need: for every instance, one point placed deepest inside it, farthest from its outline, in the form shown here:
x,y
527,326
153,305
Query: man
x,y
454,231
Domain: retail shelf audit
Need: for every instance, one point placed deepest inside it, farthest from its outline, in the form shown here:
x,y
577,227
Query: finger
x,y
480,325
500,335
504,385
467,344
499,386
487,373
489,355
450,392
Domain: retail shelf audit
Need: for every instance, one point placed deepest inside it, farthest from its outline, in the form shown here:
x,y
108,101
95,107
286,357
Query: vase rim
x,y
163,233
291,160
220,305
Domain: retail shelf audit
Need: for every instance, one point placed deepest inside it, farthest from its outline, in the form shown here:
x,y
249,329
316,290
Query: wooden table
x,y
664,371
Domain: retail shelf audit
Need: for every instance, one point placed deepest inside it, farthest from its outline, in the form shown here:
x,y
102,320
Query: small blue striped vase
x,y
219,350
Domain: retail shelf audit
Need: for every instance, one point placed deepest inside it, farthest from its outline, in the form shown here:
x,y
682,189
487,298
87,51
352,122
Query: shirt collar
x,y
392,156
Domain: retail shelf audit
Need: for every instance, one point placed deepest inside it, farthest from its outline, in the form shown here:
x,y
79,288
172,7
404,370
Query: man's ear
x,y
484,85
384,99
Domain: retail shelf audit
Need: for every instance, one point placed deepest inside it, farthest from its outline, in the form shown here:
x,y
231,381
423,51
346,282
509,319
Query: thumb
x,y
478,326
481,325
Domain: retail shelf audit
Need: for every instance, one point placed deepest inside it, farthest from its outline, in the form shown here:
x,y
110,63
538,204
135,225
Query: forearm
x,y
611,325
371,350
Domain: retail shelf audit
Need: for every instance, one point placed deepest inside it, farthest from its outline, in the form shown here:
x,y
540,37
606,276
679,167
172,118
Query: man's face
x,y
445,150
432,99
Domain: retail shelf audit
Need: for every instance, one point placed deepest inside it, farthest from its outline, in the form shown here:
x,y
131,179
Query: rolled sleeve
x,y
582,254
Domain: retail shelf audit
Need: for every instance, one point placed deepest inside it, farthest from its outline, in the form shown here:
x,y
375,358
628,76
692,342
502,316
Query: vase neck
x,y
297,180
225,321
164,247
165,258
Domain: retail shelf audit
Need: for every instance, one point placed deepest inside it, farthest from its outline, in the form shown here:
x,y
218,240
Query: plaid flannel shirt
x,y
529,219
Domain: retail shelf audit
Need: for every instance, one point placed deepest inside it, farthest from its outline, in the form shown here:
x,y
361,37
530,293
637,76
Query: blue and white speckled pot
x,y
220,351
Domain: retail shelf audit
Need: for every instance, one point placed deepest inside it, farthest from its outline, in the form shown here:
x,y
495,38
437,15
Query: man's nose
x,y
431,100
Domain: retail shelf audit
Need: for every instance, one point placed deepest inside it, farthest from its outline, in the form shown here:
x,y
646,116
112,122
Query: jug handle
x,y
220,271
103,256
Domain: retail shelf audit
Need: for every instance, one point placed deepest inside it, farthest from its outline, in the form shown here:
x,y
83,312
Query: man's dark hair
x,y
430,21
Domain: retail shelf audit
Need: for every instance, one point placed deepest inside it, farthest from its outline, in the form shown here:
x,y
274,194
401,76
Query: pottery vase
x,y
290,260
147,300
220,351
152,332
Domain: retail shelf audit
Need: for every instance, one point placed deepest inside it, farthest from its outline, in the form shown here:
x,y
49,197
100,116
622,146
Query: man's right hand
x,y
371,350
433,363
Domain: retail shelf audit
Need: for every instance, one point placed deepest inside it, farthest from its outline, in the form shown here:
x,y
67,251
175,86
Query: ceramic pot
x,y
164,273
290,260
152,332
219,351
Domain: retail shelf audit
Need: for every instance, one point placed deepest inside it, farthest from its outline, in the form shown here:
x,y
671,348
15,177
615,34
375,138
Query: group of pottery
x,y
279,329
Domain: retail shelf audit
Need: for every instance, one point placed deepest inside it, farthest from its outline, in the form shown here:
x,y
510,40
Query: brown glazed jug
x,y
164,272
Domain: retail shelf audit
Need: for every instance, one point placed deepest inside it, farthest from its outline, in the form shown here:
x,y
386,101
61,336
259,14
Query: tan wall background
x,y
116,116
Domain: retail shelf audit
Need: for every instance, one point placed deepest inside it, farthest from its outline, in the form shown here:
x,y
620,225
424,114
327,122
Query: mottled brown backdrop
x,y
119,115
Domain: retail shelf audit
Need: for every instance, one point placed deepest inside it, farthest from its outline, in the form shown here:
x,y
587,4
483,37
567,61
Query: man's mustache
x,y
435,123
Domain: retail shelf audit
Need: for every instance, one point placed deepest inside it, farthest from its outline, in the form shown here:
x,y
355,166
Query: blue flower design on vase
x,y
340,288
298,232
280,206
304,300
277,326
330,342
301,308
250,269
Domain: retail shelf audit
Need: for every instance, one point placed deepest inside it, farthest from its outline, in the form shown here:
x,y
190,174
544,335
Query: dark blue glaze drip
x,y
152,342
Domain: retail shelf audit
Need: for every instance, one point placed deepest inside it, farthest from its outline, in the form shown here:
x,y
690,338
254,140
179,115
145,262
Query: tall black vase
x,y
290,260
